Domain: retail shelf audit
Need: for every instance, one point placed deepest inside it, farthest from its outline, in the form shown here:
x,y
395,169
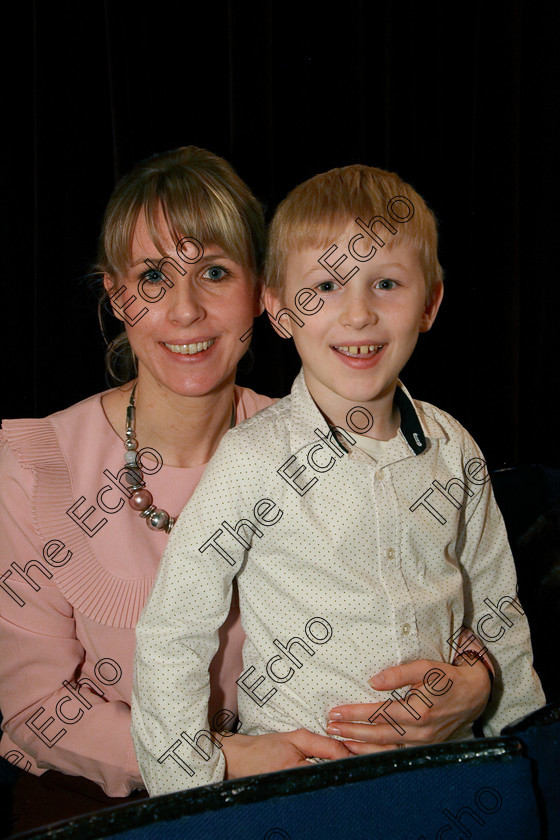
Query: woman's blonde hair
x,y
200,196
316,212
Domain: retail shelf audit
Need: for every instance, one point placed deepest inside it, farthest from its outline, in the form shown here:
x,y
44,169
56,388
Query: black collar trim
x,y
410,424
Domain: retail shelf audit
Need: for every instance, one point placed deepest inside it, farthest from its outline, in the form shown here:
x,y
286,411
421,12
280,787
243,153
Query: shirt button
x,y
380,474
406,629
390,553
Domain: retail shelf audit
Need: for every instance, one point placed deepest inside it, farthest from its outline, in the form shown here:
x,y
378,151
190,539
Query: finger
x,y
355,711
358,748
320,746
413,734
389,714
379,734
364,712
470,640
413,673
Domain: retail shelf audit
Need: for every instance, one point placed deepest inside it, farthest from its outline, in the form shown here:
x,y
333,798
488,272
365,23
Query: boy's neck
x,y
336,409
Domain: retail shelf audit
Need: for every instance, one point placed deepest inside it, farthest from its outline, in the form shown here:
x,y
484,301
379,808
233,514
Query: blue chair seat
x,y
479,789
540,734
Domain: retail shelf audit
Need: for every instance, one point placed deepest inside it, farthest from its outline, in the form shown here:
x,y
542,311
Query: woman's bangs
x,y
202,215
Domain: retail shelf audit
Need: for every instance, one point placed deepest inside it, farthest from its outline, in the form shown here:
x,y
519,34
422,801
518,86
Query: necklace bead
x,y
134,476
158,520
140,500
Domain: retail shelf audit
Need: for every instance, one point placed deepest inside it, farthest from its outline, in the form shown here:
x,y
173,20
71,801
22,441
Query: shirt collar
x,y
416,426
414,415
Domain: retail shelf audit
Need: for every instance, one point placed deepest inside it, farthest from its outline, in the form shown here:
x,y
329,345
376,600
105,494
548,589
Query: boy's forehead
x,y
311,258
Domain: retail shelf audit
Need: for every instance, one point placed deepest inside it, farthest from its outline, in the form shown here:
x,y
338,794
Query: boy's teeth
x,y
360,350
190,349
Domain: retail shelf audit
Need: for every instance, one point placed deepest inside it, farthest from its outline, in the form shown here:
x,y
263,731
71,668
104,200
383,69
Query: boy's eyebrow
x,y
315,268
379,266
392,265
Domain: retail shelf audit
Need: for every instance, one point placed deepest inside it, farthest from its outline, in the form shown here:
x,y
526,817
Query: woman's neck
x,y
186,431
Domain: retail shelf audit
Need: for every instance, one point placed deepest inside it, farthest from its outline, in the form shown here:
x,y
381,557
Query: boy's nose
x,y
358,311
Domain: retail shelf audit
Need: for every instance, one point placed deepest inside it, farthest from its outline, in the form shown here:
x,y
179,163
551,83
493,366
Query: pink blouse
x,y
76,567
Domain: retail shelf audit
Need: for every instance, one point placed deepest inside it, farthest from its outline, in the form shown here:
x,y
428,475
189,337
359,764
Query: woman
x,y
180,254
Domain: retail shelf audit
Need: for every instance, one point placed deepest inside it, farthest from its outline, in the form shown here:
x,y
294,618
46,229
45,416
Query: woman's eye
x,y
327,286
216,272
386,284
152,276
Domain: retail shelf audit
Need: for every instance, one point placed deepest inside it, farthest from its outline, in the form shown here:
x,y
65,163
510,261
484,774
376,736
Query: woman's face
x,y
188,337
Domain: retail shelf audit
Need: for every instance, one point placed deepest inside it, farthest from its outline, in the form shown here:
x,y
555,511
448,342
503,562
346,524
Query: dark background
x,y
460,99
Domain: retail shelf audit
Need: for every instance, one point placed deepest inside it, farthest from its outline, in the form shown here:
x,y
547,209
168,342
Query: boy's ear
x,y
259,296
111,288
273,303
431,309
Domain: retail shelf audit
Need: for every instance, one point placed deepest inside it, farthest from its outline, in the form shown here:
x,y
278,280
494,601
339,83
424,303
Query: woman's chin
x,y
191,382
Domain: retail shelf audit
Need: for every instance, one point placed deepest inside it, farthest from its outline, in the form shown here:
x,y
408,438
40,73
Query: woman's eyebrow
x,y
219,256
154,259
157,259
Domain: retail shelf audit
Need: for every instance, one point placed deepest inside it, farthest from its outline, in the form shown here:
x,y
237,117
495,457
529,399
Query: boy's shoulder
x,y
270,432
260,438
270,423
274,424
440,424
251,452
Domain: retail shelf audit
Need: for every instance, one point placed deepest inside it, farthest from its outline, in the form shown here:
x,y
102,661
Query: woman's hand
x,y
454,696
248,755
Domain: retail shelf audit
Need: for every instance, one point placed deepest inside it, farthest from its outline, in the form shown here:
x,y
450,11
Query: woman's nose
x,y
183,301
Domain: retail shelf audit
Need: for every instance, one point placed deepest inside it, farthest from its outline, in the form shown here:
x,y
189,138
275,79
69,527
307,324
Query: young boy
x,y
360,524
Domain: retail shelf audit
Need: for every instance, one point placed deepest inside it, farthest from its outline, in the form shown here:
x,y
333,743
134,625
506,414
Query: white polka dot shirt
x,y
345,565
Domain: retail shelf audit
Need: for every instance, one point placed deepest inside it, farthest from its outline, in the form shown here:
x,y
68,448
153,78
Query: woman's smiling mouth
x,y
190,349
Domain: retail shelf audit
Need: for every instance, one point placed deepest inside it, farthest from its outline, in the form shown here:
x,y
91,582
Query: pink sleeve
x,y
40,651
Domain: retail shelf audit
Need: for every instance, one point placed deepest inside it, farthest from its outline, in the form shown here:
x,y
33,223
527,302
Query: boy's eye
x,y
386,284
216,273
327,286
152,275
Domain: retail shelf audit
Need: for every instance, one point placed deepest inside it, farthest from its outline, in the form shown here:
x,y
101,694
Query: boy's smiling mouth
x,y
362,351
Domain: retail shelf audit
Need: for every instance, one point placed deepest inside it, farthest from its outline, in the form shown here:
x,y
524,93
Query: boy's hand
x,y
248,755
464,691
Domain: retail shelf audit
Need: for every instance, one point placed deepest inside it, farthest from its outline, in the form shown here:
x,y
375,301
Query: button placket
x,y
392,573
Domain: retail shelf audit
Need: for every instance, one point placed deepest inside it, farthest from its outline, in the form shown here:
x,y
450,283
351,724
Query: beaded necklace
x,y
141,499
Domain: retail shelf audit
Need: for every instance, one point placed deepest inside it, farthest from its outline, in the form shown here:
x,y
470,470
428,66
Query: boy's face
x,y
355,345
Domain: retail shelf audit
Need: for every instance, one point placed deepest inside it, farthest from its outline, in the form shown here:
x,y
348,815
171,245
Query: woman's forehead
x,y
143,241
188,248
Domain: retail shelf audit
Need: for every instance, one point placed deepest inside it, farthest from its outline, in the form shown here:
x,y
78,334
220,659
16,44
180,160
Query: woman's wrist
x,y
229,744
473,654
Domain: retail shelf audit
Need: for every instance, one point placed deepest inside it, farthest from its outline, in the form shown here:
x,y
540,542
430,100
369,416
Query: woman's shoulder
x,y
34,439
248,402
